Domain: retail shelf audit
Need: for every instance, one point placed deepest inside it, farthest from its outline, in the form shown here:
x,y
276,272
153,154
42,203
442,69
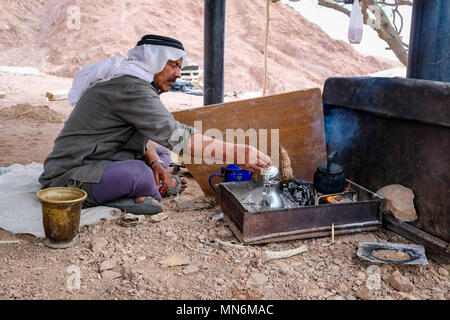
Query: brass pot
x,y
61,210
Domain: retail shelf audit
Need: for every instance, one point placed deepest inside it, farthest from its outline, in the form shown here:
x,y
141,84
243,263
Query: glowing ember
x,y
333,199
337,198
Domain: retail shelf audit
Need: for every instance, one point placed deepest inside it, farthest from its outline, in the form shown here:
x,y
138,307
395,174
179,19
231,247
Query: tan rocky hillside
x,y
36,33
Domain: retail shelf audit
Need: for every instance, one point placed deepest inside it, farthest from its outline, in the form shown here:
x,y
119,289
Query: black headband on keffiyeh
x,y
160,41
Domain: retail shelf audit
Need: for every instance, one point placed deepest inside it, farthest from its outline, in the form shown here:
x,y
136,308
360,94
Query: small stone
x,y
361,275
285,270
407,296
256,279
386,269
224,233
190,269
313,292
97,244
141,258
155,218
175,260
400,282
335,271
239,272
364,293
110,289
321,285
110,275
443,272
171,235
16,294
275,246
350,297
337,298
342,288
217,217
107,265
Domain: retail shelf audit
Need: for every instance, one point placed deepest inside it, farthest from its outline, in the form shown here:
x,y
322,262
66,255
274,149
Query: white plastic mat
x,y
20,209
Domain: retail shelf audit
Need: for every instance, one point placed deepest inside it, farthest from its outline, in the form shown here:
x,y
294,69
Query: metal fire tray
x,y
295,223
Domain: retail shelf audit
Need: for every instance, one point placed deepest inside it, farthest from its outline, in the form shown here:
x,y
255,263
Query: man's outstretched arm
x,y
240,154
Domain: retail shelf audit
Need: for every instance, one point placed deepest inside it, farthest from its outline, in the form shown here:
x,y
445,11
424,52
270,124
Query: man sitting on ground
x,y
106,146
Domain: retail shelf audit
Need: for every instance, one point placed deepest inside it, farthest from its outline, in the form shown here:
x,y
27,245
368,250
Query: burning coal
x,y
299,192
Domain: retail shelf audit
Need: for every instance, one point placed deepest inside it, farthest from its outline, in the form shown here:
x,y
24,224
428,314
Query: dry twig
x,y
271,255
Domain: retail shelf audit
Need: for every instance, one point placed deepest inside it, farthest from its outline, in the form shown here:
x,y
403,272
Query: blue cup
x,y
232,173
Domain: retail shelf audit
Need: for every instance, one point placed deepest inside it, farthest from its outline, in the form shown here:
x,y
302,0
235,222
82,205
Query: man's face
x,y
168,75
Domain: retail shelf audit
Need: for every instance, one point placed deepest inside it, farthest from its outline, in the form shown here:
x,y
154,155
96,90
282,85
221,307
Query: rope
x,y
265,47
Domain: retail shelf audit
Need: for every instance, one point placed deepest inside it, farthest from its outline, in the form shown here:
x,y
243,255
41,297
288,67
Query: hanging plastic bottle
x,y
355,29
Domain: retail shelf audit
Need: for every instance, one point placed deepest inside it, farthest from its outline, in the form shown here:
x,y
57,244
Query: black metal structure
x,y
213,51
396,131
429,46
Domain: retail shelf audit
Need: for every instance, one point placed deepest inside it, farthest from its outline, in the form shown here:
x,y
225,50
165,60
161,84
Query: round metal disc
x,y
60,245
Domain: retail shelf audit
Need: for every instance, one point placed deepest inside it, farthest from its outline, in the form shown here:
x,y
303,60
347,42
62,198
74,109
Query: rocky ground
x,y
173,258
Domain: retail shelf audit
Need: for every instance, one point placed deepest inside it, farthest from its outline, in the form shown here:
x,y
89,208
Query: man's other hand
x,y
163,178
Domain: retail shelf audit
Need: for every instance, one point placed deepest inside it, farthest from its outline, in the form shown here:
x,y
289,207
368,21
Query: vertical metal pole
x,y
429,44
213,52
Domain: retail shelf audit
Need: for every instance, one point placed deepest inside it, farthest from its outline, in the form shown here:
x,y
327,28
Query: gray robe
x,y
112,121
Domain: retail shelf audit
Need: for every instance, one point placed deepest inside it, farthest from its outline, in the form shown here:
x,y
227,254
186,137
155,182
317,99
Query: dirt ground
x,y
130,256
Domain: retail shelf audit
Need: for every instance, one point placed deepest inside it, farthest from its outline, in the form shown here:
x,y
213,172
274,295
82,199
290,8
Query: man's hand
x,y
162,175
255,160
243,155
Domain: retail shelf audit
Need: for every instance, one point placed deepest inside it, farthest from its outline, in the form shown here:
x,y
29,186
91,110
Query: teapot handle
x,y
210,178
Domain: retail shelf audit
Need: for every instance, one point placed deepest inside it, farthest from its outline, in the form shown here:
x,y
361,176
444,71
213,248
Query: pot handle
x,y
210,178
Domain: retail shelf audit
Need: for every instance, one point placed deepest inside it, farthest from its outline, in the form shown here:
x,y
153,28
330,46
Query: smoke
x,y
341,128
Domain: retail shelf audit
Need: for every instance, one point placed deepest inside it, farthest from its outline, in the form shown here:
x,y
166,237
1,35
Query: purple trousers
x,y
129,179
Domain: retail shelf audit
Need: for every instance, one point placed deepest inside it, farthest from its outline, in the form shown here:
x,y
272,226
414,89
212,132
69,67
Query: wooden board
x,y
298,116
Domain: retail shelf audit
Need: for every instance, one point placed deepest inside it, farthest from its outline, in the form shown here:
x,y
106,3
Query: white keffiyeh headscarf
x,y
143,62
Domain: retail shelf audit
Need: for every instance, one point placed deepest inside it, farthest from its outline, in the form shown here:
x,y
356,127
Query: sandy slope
x,y
301,55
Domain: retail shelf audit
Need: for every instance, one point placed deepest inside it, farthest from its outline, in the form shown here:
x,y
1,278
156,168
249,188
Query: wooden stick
x,y
332,237
271,255
220,243
265,48
198,251
9,241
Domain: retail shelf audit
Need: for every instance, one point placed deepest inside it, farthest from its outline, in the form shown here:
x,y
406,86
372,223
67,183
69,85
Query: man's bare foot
x,y
183,183
142,199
